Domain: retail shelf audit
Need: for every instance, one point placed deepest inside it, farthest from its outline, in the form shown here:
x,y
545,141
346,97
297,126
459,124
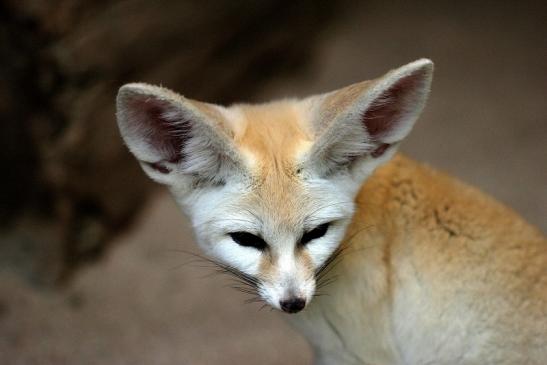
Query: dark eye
x,y
247,239
315,233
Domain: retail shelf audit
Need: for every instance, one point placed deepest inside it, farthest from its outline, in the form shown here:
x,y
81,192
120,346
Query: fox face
x,y
270,188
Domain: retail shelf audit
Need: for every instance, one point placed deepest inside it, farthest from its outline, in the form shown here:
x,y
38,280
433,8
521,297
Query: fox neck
x,y
381,211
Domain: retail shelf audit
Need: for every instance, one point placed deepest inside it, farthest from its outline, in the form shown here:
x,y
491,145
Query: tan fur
x,y
413,222
266,128
269,126
267,269
340,100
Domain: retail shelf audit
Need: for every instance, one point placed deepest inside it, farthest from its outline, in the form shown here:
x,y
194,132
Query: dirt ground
x,y
485,123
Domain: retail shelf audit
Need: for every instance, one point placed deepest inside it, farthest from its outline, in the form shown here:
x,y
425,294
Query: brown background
x,y
485,123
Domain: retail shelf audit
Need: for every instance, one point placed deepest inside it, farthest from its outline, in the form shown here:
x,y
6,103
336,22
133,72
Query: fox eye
x,y
315,233
247,239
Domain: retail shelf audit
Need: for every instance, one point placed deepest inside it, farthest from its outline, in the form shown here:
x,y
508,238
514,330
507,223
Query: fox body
x,y
301,198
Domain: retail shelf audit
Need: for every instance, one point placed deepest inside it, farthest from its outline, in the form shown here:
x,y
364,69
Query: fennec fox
x,y
431,272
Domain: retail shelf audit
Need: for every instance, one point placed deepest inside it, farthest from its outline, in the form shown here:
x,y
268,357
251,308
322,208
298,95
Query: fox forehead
x,y
272,138
271,134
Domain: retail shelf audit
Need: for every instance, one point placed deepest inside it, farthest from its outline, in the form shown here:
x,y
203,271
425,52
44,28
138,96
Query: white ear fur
x,y
172,137
369,118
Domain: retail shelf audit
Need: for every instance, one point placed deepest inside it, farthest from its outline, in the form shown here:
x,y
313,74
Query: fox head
x,y
270,188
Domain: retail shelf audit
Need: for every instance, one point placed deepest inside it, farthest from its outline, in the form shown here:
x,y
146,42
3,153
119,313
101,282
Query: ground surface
x,y
486,123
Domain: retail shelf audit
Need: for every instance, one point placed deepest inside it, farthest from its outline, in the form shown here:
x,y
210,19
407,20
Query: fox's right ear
x,y
174,138
361,125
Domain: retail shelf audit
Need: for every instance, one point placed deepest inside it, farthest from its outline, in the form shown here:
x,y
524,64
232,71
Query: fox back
x,y
300,198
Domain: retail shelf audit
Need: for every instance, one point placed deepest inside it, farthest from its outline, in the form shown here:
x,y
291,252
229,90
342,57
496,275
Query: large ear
x,y
366,121
172,137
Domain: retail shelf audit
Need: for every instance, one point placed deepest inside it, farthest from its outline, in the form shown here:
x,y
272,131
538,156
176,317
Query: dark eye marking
x,y
247,239
315,233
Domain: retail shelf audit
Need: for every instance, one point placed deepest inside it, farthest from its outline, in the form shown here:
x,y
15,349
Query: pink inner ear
x,y
386,112
162,126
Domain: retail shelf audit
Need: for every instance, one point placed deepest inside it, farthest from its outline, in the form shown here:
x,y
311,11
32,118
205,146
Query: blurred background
x,y
88,271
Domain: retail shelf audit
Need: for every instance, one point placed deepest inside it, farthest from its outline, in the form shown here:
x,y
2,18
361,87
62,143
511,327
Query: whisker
x,y
327,282
253,300
321,295
322,274
241,281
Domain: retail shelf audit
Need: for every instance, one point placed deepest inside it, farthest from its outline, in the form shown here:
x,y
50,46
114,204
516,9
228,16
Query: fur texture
x,y
432,271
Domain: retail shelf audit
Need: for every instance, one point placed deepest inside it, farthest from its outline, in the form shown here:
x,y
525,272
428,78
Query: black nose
x,y
293,305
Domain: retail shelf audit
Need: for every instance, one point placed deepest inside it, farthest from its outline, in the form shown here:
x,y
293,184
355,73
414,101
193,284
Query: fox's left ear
x,y
176,140
366,121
